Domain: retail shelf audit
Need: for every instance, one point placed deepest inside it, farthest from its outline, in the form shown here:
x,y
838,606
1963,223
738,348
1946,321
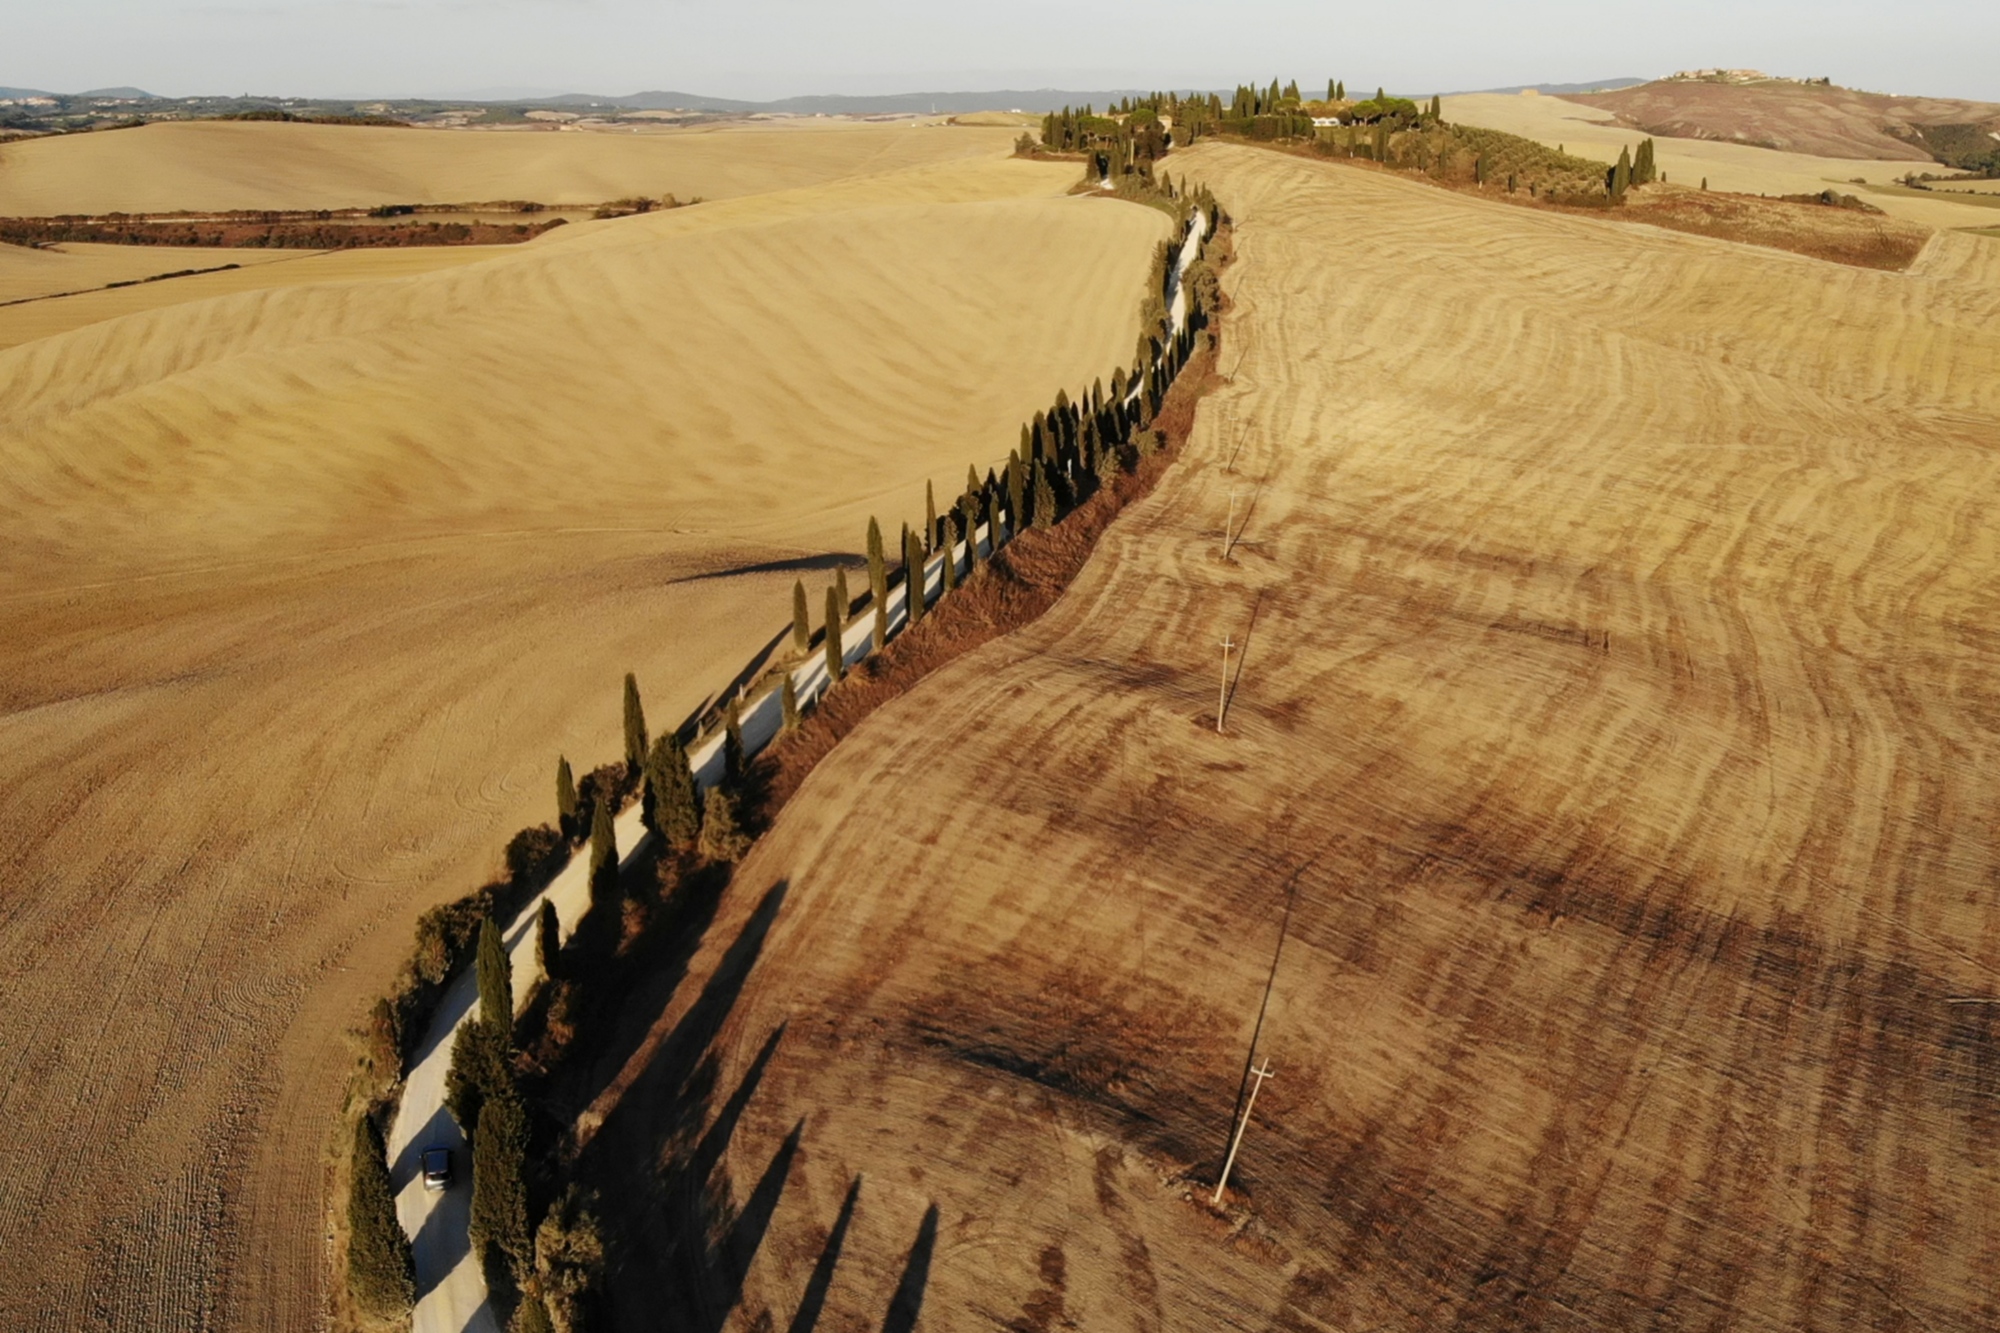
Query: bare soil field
x,y
254,164
1600,847
1791,117
307,587
1589,131
1822,231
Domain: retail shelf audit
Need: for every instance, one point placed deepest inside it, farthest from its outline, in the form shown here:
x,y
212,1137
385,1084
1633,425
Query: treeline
x,y
1399,133
269,235
273,113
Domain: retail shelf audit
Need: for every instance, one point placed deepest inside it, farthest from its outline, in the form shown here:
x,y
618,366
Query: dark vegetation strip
x,y
261,235
316,229
517,1087
129,282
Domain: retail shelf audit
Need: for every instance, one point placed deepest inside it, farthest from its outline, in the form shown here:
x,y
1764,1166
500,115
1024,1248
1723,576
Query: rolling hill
x,y
1599,847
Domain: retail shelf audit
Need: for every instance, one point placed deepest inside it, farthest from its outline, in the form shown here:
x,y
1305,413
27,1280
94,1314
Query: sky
x,y
761,49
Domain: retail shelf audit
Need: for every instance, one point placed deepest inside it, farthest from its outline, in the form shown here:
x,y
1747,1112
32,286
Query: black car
x,y
437,1168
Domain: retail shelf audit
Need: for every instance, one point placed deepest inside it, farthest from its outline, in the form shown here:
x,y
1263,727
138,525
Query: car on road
x,y
437,1167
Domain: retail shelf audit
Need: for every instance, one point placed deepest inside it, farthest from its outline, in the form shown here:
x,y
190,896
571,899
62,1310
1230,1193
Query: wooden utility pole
x,y
1229,527
1222,698
1236,1140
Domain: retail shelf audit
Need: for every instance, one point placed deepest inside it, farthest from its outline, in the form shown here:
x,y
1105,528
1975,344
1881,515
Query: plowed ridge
x,y
1605,803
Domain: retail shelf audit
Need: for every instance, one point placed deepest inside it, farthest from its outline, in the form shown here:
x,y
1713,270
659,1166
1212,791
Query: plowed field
x,y
1601,847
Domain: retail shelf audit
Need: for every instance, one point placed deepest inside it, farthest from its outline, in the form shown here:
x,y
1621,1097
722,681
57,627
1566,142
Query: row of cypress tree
x,y
1065,454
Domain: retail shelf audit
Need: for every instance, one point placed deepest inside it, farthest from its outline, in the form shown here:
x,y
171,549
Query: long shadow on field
x,y
814,1302
679,1246
908,1302
623,997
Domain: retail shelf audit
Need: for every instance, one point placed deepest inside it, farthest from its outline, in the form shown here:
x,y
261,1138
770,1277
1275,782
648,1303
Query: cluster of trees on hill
x,y
1631,170
1401,133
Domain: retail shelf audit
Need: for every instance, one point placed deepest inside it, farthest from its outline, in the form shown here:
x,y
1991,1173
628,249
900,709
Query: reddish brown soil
x,y
1797,118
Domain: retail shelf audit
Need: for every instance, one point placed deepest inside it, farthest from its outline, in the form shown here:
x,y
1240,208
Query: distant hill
x,y
135,94
1809,117
1038,99
1557,89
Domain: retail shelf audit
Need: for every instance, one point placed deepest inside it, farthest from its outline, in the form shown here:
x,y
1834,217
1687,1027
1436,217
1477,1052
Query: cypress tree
x,y
834,665
722,837
676,814
878,573
789,701
1045,498
479,1064
548,939
496,978
950,553
1339,92
1017,499
993,530
1644,169
603,855
732,746
930,517
1331,94
913,575
380,1271
802,630
565,798
499,1181
635,725
1621,175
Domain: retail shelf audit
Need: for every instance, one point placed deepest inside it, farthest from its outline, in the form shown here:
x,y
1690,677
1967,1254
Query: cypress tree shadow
x,y
908,1302
730,1261
814,1302
716,1139
656,1160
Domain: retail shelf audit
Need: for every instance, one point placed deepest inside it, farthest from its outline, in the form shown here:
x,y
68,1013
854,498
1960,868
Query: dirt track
x,y
1612,747
305,589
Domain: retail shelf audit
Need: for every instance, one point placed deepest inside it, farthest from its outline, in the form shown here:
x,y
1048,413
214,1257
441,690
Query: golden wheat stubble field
x,y
179,165
1606,801
306,589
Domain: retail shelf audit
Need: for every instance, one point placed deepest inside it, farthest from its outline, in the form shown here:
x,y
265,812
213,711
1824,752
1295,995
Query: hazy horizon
x,y
783,48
